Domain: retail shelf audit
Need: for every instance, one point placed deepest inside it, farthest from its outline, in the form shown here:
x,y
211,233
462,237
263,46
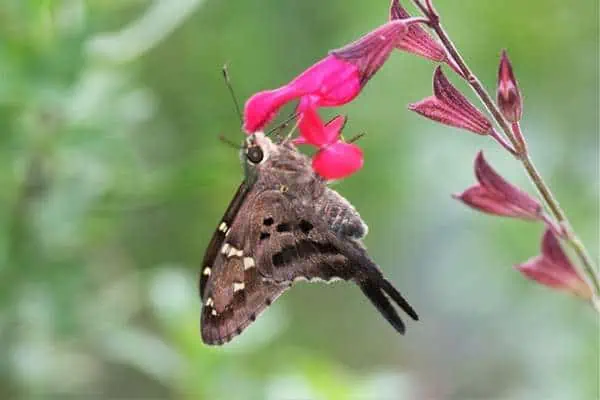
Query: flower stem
x,y
516,138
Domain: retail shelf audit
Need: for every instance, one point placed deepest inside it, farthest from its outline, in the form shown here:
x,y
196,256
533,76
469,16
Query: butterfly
x,y
284,225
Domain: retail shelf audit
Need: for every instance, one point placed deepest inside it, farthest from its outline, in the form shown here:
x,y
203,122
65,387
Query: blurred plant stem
x,y
514,134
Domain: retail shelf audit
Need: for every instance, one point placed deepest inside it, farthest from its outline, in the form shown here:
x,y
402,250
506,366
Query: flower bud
x,y
494,195
449,107
508,95
553,269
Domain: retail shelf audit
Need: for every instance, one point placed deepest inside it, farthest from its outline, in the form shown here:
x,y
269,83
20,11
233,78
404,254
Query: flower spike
x,y
448,106
494,195
553,269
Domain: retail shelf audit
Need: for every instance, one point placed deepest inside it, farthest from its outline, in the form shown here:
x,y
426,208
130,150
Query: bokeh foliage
x,y
113,179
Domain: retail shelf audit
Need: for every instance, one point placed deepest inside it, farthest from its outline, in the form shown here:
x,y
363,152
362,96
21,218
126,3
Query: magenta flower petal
x,y
553,269
494,195
450,107
508,95
333,81
329,82
262,107
311,127
338,160
334,127
417,40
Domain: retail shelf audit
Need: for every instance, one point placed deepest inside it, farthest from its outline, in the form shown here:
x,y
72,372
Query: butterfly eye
x,y
254,154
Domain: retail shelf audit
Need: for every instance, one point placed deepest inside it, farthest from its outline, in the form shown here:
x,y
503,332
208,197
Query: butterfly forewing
x,y
216,242
247,304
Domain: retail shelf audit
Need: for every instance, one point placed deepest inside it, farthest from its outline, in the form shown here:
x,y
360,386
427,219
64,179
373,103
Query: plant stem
x,y
523,155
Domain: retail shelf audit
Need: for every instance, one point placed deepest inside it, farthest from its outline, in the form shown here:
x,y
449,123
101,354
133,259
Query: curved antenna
x,y
282,125
232,93
229,142
356,137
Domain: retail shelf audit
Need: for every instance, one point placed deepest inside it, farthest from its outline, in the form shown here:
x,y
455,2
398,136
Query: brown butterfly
x,y
283,225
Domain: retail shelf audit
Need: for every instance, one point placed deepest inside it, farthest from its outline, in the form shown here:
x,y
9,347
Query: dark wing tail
x,y
376,289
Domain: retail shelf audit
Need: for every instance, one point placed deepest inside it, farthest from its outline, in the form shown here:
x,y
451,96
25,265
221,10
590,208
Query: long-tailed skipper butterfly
x,y
283,225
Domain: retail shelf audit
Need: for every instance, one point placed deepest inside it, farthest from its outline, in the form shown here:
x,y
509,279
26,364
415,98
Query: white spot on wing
x,y
223,227
225,248
237,286
248,262
206,271
209,302
233,252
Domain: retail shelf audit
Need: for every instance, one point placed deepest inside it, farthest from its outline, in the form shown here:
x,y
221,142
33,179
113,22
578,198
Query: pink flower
x,y
335,80
334,159
450,107
331,81
311,127
417,40
508,95
494,195
553,269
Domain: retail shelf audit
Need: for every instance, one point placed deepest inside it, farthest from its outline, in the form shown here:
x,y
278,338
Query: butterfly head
x,y
281,162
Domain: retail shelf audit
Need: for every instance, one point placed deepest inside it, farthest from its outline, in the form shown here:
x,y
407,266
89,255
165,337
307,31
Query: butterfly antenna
x,y
356,137
289,135
283,125
232,93
229,142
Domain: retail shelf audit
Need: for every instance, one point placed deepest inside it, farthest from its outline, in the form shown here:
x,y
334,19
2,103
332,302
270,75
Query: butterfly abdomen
x,y
340,215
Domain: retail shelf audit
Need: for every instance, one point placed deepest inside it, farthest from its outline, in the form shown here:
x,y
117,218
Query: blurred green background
x,y
113,179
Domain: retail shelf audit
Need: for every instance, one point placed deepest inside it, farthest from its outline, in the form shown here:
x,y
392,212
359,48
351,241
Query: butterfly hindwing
x,y
295,243
289,247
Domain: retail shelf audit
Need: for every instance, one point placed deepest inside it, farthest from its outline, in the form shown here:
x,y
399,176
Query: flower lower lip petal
x,y
338,160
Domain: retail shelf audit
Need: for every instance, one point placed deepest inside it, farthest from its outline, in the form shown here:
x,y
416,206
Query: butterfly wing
x,y
294,243
265,246
216,242
257,294
233,292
